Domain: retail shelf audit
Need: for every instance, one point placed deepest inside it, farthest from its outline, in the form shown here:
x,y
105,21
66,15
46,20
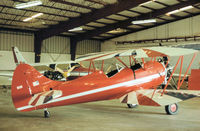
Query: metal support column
x,y
37,47
73,44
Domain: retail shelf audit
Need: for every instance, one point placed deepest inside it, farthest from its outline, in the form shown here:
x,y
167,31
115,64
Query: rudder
x,y
18,57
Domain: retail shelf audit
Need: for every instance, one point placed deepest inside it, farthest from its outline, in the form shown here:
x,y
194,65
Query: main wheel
x,y
132,105
46,114
172,109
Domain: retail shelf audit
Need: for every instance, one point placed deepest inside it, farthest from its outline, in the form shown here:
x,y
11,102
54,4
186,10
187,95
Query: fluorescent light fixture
x,y
186,8
172,12
76,29
27,19
179,10
36,15
28,4
144,21
118,30
147,2
32,17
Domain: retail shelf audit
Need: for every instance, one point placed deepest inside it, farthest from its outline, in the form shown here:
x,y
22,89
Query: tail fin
x,y
27,83
18,56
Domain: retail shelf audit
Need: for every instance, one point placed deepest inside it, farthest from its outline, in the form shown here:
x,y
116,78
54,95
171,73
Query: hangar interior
x,y
61,30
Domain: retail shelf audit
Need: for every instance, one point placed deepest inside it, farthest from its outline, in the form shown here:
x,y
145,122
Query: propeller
x,y
169,72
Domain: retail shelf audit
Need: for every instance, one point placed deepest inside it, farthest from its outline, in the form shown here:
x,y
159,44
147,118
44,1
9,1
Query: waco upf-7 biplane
x,y
132,84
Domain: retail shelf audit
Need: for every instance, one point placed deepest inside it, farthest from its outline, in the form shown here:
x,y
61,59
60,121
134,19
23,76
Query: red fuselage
x,y
98,86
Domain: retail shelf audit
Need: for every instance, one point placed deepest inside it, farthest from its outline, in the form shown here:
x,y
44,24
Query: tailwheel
x,y
132,105
46,113
172,109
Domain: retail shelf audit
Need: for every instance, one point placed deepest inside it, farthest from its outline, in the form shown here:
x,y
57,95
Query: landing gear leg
x,y
132,105
172,109
46,113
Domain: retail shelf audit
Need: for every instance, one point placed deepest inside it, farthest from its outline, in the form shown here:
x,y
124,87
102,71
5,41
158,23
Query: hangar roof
x,y
99,19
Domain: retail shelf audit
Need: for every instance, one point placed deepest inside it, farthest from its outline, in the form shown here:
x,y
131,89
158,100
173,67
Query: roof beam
x,y
47,13
126,23
98,2
174,16
197,7
162,18
110,19
6,13
161,3
11,20
152,9
15,30
72,4
123,15
51,7
88,17
137,12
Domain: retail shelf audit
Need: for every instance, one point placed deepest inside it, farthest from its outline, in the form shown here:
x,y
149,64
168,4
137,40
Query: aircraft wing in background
x,y
6,73
138,53
18,57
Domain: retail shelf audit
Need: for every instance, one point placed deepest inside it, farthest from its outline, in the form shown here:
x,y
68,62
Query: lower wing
x,y
152,97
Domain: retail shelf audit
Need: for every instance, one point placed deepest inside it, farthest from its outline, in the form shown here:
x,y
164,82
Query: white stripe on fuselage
x,y
24,107
126,84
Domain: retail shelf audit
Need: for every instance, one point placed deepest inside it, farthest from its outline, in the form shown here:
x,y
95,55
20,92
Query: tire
x,y
46,114
132,105
172,109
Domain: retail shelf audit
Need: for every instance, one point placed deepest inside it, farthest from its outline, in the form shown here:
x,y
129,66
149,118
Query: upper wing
x,y
51,63
138,53
98,55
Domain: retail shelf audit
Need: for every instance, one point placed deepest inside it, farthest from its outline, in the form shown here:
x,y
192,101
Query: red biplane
x,y
132,83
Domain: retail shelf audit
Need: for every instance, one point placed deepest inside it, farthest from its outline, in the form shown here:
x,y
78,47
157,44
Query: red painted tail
x,y
194,78
26,82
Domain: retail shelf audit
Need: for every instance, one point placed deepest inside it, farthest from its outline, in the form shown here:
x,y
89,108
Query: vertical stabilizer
x,y
31,89
18,56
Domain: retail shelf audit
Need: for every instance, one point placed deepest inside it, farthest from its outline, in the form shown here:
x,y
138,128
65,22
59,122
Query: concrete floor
x,y
100,116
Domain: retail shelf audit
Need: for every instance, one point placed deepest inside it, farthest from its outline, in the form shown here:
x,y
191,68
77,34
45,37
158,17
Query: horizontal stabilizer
x,y
44,97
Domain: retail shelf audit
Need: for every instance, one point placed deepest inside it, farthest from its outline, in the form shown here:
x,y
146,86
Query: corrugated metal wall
x,y
56,44
88,46
24,41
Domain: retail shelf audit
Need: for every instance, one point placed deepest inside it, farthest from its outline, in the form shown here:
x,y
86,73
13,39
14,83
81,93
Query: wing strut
x,y
134,59
121,61
91,64
180,82
195,54
179,79
102,65
89,67
130,60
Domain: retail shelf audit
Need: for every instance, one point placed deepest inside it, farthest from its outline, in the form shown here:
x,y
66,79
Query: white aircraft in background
x,y
48,69
72,69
